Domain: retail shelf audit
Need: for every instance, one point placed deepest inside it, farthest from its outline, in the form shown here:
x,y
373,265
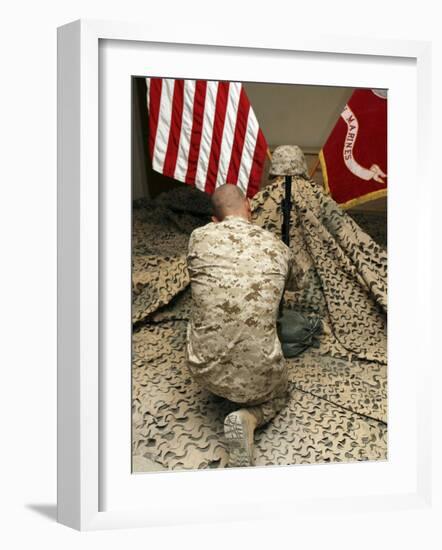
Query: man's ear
x,y
215,219
248,208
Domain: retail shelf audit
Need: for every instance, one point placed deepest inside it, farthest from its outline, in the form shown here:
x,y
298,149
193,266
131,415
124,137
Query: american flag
x,y
205,133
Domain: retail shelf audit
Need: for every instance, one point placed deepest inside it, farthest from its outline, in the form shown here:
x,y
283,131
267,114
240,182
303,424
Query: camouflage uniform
x,y
238,271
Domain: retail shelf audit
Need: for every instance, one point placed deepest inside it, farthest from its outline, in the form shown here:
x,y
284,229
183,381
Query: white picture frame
x,y
95,487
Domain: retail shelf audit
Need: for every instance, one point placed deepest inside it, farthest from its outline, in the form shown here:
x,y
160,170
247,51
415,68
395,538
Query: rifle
x,y
285,228
286,210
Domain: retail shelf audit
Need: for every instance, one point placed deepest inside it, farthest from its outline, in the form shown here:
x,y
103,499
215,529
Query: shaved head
x,y
228,200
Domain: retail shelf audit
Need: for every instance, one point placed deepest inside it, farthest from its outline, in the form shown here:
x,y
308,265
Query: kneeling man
x,y
238,272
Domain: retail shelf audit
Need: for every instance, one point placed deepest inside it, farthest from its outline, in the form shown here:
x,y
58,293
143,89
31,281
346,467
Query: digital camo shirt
x,y
237,272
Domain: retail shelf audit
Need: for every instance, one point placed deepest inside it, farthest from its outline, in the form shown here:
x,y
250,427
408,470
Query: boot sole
x,y
235,431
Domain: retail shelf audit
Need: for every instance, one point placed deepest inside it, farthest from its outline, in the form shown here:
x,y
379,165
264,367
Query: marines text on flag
x,y
354,157
205,133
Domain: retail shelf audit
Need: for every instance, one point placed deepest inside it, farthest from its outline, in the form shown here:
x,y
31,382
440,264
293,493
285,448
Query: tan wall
x,y
298,115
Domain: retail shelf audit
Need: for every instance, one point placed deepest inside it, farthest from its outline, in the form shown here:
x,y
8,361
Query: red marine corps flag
x,y
205,133
354,158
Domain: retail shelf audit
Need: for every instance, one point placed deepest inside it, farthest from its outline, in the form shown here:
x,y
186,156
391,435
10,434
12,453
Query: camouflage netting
x,y
338,406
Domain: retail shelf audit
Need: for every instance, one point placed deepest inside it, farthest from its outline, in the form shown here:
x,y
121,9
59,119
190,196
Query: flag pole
x,y
315,167
269,154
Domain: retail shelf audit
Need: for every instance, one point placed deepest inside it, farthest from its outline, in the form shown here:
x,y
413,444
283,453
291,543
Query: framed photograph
x,y
223,223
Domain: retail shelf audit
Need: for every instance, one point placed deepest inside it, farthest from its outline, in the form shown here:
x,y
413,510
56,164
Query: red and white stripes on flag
x,y
205,133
